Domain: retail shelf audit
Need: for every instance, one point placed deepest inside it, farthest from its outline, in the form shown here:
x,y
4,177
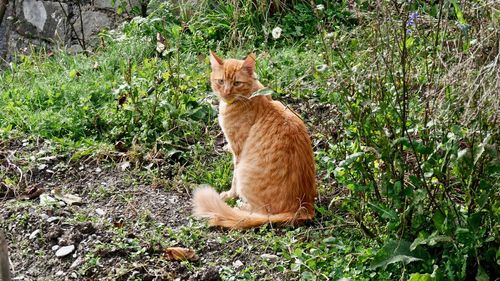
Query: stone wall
x,y
51,23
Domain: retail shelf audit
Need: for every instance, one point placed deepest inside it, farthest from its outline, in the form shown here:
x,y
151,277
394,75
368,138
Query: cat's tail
x,y
208,204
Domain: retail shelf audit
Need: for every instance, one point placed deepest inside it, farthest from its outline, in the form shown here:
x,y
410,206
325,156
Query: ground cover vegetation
x,y
401,99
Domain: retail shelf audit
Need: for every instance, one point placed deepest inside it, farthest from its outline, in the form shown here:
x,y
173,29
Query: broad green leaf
x,y
409,42
481,149
329,240
403,140
421,277
464,236
262,92
482,275
432,240
474,220
385,212
439,221
397,251
422,149
307,275
351,158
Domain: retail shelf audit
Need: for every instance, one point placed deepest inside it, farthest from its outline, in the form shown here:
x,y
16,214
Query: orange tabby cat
x,y
274,171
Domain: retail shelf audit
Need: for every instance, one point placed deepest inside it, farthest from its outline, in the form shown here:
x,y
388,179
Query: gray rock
x,y
93,23
237,264
53,219
75,49
100,212
55,247
269,257
34,234
34,12
108,4
42,19
64,251
46,199
76,263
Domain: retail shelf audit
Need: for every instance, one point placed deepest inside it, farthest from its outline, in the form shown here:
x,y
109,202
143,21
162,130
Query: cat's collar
x,y
229,102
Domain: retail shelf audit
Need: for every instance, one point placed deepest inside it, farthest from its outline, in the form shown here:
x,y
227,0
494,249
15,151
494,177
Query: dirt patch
x,y
119,231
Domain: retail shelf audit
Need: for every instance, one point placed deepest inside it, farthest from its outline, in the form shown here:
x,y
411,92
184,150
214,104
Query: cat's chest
x,y
235,125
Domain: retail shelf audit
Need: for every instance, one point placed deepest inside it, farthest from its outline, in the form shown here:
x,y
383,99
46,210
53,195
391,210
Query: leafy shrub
x,y
415,166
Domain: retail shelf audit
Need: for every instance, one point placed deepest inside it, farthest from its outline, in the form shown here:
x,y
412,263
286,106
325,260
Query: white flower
x,y
276,32
321,68
320,7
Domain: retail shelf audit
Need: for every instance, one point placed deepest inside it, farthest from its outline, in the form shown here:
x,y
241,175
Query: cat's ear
x,y
249,63
215,61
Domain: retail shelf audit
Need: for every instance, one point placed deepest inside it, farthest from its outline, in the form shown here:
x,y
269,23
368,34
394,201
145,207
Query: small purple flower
x,y
411,21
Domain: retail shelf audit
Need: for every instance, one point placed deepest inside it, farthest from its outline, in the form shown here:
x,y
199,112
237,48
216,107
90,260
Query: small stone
x,y
237,264
53,219
76,263
64,251
73,275
124,165
60,273
75,49
34,234
55,247
100,212
98,170
269,257
46,199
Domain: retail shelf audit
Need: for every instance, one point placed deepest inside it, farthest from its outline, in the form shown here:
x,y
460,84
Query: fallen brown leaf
x,y
32,193
179,254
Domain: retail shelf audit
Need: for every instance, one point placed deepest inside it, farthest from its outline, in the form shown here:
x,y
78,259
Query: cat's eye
x,y
237,83
220,81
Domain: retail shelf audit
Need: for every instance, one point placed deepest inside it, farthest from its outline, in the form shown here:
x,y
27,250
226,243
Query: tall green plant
x,y
416,168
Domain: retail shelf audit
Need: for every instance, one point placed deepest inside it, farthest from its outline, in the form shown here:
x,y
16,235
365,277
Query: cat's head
x,y
232,79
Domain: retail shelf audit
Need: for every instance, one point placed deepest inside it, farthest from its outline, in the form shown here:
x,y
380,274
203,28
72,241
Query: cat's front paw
x,y
226,195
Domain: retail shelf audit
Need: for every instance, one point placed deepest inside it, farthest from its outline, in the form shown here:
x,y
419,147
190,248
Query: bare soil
x,y
120,229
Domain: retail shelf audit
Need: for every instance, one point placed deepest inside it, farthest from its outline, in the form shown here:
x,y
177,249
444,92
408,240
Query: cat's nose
x,y
226,92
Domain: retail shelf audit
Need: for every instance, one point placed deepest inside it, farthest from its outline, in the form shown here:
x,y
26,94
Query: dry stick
x,y
81,25
4,259
82,44
434,54
404,98
3,8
